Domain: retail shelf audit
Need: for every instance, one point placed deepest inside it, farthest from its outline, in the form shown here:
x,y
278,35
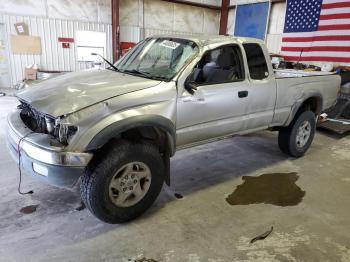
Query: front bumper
x,y
41,158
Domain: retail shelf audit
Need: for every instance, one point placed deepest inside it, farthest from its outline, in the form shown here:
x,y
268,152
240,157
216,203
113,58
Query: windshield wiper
x,y
104,59
134,71
144,74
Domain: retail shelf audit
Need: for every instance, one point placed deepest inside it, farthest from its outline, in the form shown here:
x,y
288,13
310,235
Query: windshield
x,y
158,58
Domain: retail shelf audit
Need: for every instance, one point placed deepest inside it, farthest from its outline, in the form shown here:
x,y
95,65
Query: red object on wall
x,y
66,39
126,46
65,45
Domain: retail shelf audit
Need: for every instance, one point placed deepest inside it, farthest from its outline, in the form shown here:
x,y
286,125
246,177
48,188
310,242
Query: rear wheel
x,y
125,183
296,139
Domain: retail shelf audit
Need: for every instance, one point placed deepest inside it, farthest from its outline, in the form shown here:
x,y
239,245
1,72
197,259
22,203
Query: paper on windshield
x,y
169,44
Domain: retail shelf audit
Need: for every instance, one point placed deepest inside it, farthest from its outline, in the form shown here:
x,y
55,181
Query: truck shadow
x,y
208,165
192,170
224,160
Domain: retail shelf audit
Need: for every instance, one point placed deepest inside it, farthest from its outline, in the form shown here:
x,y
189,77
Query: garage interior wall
x,y
53,57
142,18
51,19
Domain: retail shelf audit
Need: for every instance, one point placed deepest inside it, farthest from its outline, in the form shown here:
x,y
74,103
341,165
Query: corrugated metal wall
x,y
53,56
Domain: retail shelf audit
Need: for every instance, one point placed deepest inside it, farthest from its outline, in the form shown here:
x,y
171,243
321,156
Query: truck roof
x,y
205,40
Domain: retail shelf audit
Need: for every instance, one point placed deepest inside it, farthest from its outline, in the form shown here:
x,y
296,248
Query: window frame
x,y
240,58
246,55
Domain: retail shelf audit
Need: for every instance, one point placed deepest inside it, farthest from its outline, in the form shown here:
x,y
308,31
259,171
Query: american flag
x,y
317,31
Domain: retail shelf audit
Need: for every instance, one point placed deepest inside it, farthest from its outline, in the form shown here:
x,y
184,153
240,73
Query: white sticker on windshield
x,y
169,44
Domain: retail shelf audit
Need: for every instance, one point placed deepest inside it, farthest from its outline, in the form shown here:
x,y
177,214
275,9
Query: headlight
x,y
64,131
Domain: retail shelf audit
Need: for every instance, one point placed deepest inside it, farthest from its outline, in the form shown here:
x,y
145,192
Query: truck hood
x,y
73,91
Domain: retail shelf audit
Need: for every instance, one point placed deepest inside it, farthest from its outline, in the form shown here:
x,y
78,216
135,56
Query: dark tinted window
x,y
256,61
220,65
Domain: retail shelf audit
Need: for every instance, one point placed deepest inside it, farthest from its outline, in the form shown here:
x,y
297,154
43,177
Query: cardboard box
x,y
30,73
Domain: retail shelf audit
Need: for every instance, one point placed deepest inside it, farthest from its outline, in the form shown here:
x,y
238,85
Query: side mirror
x,y
191,81
190,87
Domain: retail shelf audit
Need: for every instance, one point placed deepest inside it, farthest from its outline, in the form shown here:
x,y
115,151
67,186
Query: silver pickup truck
x,y
117,128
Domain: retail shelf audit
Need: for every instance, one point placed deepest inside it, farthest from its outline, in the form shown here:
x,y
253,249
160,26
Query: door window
x,y
220,65
256,61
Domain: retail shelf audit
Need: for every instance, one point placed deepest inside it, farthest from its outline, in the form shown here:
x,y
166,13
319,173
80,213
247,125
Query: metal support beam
x,y
224,16
115,30
214,7
272,1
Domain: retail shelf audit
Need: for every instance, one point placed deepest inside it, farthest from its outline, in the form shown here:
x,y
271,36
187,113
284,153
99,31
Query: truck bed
x,y
294,86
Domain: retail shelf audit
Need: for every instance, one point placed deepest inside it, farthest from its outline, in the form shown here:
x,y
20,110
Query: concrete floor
x,y
202,226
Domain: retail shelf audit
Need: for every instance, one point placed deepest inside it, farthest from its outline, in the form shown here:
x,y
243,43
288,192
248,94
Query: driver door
x,y
219,105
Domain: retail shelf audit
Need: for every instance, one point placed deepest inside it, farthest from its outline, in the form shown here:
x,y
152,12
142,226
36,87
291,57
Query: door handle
x,y
242,94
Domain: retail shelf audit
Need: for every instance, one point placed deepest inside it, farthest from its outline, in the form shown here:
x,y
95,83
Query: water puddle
x,y
276,188
29,209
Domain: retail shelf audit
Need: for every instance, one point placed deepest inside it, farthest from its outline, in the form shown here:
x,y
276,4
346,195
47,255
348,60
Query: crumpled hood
x,y
73,91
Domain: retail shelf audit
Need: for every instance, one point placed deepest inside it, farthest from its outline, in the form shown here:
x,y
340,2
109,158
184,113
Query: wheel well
x,y
142,134
313,104
148,134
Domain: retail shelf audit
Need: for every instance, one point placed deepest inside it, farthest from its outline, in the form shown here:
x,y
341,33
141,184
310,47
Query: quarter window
x,y
256,61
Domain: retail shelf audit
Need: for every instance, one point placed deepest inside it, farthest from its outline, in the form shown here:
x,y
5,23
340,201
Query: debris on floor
x,y
262,236
81,207
178,195
324,118
336,118
335,127
29,209
145,260
276,188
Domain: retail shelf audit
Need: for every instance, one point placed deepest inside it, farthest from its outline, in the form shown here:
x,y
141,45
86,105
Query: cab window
x,y
256,61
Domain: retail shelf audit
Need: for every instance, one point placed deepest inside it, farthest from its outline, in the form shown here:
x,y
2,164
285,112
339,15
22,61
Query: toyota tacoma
x,y
116,129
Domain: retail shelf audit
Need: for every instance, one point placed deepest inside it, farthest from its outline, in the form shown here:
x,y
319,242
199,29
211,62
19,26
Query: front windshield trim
x,y
195,47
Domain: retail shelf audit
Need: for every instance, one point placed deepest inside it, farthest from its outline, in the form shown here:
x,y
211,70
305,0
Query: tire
x,y
288,140
103,185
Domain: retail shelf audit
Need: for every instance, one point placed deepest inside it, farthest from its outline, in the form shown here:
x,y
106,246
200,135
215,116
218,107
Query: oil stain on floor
x,y
276,188
29,209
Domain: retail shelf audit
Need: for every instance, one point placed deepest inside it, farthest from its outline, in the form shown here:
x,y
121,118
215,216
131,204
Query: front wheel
x,y
125,183
296,139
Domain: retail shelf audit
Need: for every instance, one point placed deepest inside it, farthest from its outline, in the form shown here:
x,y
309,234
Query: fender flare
x,y
299,103
115,129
